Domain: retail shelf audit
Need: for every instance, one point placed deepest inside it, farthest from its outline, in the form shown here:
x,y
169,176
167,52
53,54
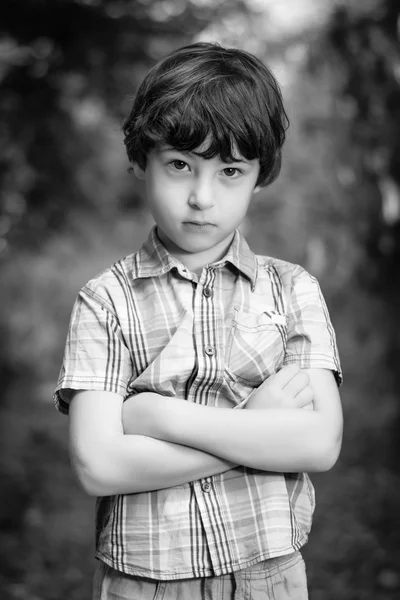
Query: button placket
x,y
208,293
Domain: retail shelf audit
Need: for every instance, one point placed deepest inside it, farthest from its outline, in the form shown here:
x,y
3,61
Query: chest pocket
x,y
256,346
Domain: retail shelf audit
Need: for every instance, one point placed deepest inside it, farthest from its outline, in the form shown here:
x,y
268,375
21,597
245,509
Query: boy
x,y
196,500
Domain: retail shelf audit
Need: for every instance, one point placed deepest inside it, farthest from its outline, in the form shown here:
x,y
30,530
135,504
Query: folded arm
x,y
108,462
172,441
278,439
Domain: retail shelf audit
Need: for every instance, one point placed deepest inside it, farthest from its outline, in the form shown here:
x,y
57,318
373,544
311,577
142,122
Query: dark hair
x,y
204,91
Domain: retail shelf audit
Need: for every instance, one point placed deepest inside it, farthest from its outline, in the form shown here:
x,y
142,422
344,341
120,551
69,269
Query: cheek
x,y
163,201
162,188
237,202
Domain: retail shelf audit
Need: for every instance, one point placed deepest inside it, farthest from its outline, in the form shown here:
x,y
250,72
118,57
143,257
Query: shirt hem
x,y
173,576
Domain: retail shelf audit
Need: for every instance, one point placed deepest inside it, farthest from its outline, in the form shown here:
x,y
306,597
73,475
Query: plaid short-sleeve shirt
x,y
149,324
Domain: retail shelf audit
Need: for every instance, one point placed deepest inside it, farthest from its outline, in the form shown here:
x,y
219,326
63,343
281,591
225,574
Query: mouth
x,y
198,224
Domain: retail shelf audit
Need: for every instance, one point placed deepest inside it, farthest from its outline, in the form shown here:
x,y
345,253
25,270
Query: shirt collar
x,y
155,260
242,258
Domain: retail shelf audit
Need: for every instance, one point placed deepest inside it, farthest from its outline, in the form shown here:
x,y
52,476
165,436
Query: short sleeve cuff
x,y
66,387
316,361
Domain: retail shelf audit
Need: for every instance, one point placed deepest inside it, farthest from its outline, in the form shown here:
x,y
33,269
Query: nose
x,y
201,196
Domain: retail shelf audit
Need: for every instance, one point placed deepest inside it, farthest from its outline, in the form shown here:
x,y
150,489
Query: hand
x,y
289,388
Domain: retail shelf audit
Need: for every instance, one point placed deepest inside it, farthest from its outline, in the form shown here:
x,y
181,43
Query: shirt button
x,y
206,487
209,350
207,292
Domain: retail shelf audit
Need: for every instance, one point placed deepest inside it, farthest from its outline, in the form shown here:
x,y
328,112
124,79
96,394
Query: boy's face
x,y
197,203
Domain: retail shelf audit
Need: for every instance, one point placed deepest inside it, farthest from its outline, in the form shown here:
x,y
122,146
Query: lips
x,y
199,223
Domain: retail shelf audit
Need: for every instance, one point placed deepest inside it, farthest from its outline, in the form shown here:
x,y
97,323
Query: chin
x,y
196,248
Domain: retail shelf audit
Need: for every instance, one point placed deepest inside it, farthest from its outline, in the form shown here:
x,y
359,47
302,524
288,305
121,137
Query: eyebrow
x,y
237,160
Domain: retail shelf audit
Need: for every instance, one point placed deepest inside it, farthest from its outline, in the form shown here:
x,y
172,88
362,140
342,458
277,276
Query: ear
x,y
257,189
139,172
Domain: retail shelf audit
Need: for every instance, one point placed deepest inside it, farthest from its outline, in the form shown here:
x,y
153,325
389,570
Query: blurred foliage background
x,y
69,208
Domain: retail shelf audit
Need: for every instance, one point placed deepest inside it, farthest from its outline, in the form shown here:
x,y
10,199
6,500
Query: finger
x,y
285,375
303,398
297,383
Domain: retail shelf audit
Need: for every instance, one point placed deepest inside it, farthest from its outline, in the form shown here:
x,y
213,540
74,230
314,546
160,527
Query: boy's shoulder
x,y
150,260
113,281
284,270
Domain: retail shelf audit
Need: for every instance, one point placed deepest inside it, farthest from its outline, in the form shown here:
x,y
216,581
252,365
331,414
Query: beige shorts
x,y
282,578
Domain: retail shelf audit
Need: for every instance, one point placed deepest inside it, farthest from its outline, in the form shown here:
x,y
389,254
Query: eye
x,y
231,172
178,165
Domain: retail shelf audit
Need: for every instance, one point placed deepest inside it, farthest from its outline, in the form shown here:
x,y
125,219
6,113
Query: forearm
x,y
107,462
127,464
274,440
